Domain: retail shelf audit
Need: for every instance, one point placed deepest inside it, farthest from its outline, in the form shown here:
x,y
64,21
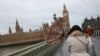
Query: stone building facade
x,y
21,37
52,32
93,22
59,26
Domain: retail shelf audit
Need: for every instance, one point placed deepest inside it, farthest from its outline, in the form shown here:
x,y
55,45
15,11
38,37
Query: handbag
x,y
86,45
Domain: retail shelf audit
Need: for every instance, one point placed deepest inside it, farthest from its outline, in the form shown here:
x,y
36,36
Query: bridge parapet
x,y
40,49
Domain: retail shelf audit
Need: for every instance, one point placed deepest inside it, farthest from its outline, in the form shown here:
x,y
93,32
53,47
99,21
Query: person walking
x,y
89,31
77,42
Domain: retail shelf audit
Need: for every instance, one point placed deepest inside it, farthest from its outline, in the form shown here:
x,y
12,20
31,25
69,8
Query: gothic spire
x,y
30,30
85,19
64,7
18,29
16,21
91,17
65,12
10,31
98,17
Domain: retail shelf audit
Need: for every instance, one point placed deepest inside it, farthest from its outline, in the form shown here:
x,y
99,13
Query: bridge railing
x,y
40,49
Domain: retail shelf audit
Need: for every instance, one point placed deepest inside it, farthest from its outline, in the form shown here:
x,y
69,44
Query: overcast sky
x,y
32,13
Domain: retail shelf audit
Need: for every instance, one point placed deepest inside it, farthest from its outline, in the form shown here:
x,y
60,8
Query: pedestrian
x,y
89,31
77,43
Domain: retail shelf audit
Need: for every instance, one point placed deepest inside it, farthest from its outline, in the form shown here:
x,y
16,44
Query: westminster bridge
x,y
43,48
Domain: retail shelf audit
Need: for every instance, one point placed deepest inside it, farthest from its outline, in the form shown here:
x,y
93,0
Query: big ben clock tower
x,y
65,13
66,24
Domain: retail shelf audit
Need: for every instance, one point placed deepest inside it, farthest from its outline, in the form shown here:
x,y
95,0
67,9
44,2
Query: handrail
x,y
48,51
25,49
40,49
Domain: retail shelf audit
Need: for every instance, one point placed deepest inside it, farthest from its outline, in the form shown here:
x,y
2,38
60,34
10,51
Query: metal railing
x,y
40,49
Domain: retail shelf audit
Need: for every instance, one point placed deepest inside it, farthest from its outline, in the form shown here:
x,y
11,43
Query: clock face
x,y
65,14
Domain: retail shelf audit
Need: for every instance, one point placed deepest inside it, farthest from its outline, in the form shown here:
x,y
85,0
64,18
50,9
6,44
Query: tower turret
x,y
17,27
10,31
54,17
98,18
30,30
91,17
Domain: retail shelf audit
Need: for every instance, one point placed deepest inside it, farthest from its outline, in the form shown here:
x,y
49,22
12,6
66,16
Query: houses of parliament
x,y
52,32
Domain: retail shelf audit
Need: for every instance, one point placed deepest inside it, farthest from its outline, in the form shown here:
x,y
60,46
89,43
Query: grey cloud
x,y
31,13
